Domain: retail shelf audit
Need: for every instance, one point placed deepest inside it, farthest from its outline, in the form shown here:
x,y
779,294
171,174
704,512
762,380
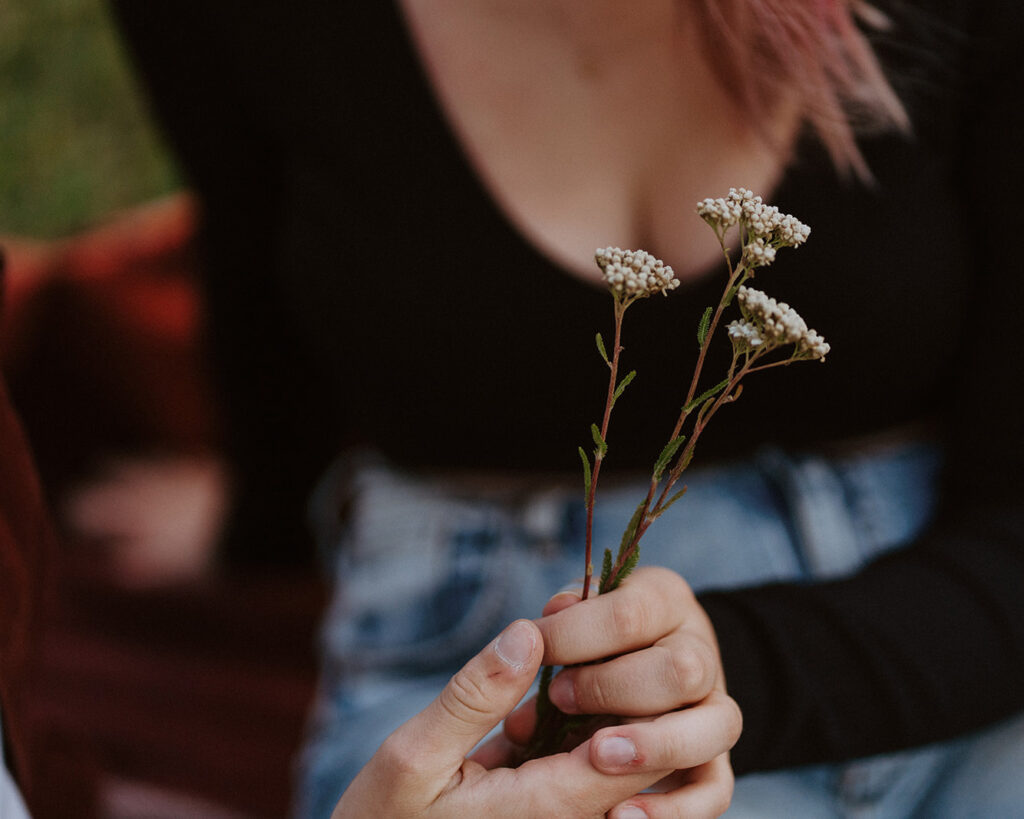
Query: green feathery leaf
x,y
601,349
602,447
628,566
606,569
671,500
700,399
622,385
586,473
702,328
630,533
666,456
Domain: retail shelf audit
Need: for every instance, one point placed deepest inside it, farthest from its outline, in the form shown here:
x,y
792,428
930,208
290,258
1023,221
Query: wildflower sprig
x,y
630,275
767,334
765,326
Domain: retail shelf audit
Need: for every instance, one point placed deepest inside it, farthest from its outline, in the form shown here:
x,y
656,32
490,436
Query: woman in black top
x,y
396,237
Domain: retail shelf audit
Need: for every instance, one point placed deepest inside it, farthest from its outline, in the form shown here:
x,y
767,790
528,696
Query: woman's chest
x,y
584,134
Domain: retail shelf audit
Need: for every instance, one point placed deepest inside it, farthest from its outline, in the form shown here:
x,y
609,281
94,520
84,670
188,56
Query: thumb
x,y
477,698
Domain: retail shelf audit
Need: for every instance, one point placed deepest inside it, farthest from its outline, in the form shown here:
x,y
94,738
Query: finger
x,y
645,608
520,723
568,785
705,792
562,600
678,670
677,740
476,699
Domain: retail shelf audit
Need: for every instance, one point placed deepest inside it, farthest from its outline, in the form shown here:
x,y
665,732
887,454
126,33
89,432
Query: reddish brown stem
x,y
620,310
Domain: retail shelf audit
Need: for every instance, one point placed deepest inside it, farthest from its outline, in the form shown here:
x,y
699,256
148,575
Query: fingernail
x,y
571,588
631,812
615,752
563,693
562,600
516,643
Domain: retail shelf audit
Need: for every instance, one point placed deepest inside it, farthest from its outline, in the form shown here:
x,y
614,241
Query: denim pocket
x,y
421,577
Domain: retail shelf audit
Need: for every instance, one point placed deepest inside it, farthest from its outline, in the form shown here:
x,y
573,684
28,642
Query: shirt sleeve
x,y
926,643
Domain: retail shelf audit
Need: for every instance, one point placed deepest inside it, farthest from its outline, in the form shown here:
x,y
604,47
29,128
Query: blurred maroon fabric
x,y
26,542
102,341
198,689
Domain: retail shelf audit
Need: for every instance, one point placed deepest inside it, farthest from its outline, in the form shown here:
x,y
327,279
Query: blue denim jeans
x,y
428,571
11,804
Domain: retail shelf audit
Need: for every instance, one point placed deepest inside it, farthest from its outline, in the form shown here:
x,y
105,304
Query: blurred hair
x,y
763,51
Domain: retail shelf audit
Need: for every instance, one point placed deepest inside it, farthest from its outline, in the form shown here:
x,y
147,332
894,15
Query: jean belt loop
x,y
824,532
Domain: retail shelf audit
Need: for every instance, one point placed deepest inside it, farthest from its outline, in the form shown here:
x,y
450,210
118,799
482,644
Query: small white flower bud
x,y
634,273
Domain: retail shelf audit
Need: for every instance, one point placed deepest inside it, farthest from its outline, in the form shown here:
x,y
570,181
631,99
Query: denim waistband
x,y
428,569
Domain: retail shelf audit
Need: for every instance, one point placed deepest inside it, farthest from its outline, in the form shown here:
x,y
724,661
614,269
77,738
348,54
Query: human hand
x,y
421,770
665,678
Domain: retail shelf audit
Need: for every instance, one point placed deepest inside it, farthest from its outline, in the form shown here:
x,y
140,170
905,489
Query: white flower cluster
x,y
635,272
765,222
814,344
780,323
758,254
745,334
720,213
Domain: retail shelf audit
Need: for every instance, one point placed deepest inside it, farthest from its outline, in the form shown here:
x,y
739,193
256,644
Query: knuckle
x,y
670,583
724,783
630,618
691,670
666,808
682,750
556,805
552,635
723,795
399,755
674,812
734,720
464,697
592,691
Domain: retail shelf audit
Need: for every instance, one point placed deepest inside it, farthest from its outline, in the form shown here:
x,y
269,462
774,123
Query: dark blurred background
x,y
171,683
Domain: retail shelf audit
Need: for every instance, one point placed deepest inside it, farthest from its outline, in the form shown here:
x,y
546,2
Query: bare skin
x,y
666,681
669,664
592,122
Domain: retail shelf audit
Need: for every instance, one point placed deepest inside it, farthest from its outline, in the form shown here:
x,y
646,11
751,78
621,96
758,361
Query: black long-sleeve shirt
x,y
365,288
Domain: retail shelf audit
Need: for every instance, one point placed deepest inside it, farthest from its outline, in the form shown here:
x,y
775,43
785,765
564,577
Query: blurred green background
x,y
76,141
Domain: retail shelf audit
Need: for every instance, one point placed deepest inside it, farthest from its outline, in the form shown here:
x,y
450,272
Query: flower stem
x,y
613,365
